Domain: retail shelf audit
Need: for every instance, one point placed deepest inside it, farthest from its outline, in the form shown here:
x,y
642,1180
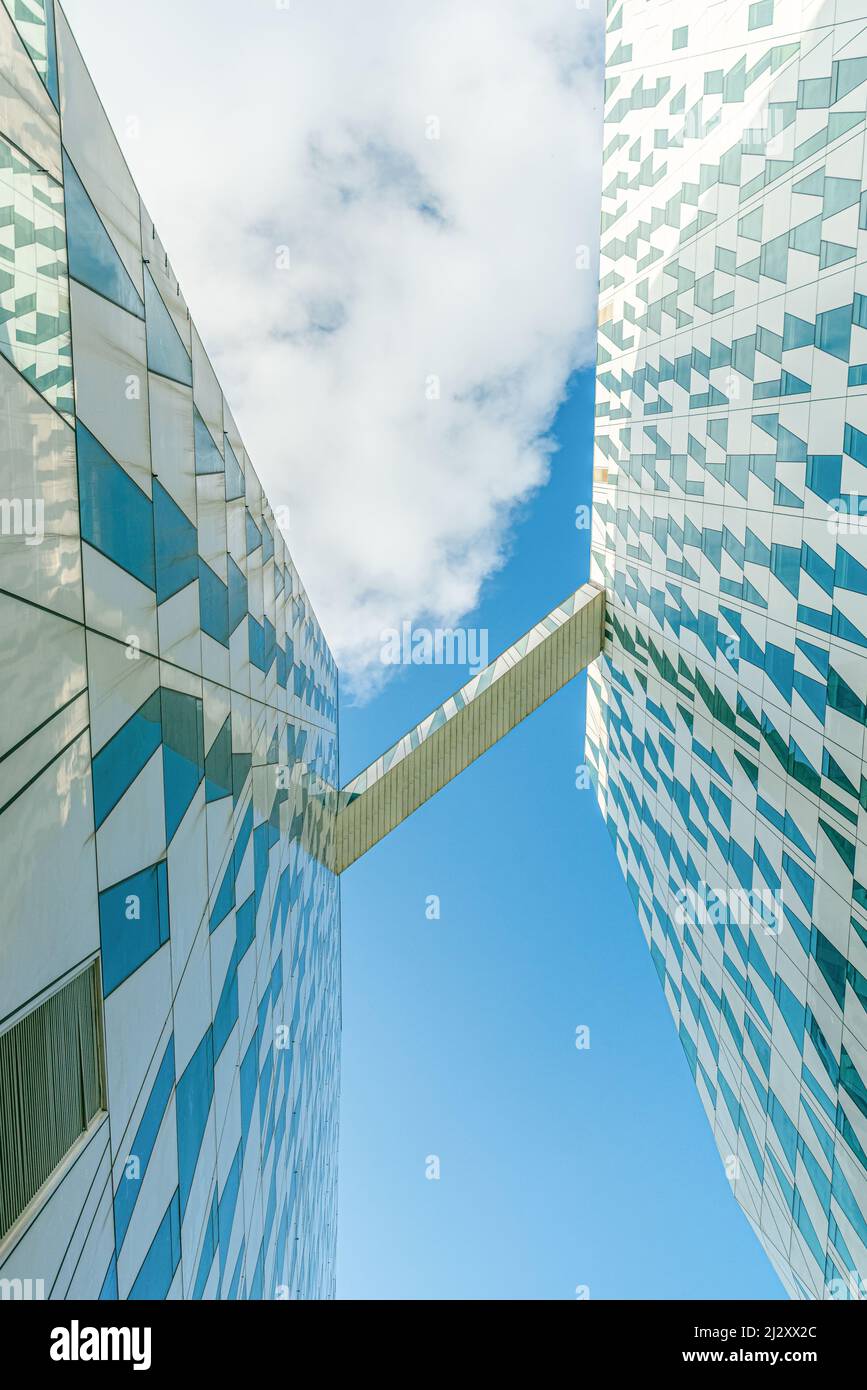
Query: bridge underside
x,y
468,724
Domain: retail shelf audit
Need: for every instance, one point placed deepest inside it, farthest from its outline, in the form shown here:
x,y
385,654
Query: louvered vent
x,y
52,1084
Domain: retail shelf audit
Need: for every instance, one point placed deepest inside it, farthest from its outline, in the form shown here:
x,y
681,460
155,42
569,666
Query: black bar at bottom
x,y
62,1339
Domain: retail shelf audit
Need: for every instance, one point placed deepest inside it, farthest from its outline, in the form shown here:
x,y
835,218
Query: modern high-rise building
x,y
727,716
172,824
170,944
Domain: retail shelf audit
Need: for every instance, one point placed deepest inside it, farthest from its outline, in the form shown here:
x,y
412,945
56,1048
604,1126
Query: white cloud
x,y
411,258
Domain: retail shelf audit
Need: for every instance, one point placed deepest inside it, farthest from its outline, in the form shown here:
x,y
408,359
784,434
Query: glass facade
x,y
169,720
168,745
727,715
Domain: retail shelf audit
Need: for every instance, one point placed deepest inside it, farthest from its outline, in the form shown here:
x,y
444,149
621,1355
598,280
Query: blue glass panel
x,y
218,765
274,748
832,253
209,1248
108,1292
277,978
802,881
791,1009
234,476
786,1131
181,780
155,1277
213,604
236,1277
237,595
761,14
92,256
846,75
256,644
50,78
226,1014
786,565
264,1004
166,353
249,1082
268,1067
832,964
850,573
797,332
258,1280
245,926
228,1202
270,1211
270,645
183,754
814,93
194,1091
824,475
208,457
131,925
143,1144
225,899
176,540
834,330
806,236
116,516
260,860
254,535
241,764
242,839
116,766
840,194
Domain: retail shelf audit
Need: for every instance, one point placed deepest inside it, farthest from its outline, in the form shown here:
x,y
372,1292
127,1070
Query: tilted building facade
x,y
170,948
727,716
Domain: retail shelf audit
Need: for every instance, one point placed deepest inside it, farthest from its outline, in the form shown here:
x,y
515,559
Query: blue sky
x,y
298,220
559,1167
